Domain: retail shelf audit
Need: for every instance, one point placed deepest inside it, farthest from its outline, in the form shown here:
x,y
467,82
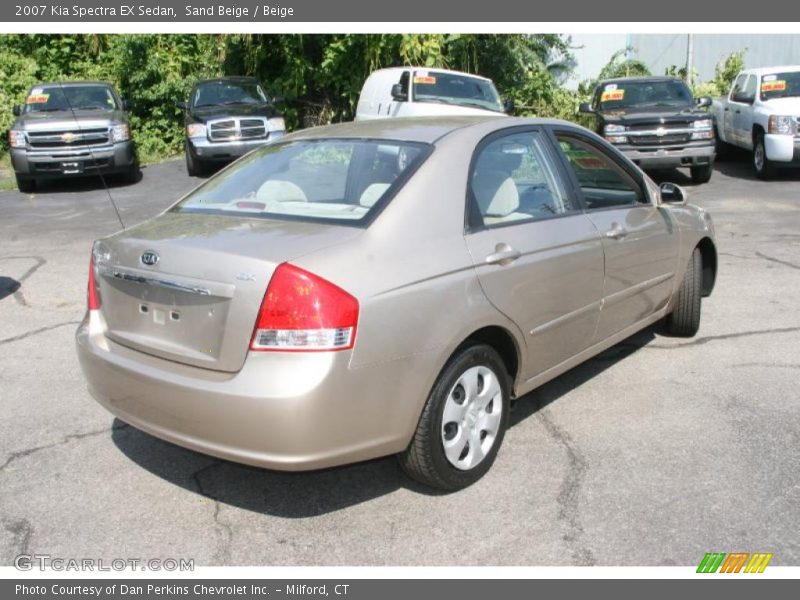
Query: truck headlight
x,y
195,130
277,124
612,132
16,139
781,124
120,133
703,130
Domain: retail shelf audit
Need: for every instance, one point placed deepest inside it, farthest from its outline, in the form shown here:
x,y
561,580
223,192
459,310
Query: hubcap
x,y
758,157
471,418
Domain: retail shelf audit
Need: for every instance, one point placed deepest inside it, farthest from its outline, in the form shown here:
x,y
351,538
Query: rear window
x,y
345,181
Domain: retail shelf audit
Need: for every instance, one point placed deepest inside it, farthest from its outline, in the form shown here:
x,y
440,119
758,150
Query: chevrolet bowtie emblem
x,y
68,137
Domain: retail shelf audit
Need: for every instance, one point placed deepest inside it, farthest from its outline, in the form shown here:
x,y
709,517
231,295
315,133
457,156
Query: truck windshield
x,y
325,180
644,94
452,88
214,93
51,98
780,85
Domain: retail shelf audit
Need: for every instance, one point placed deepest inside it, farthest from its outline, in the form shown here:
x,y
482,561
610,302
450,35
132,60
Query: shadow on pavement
x,y
8,286
314,493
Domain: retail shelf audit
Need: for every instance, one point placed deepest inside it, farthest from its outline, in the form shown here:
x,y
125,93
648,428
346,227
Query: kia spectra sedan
x,y
386,287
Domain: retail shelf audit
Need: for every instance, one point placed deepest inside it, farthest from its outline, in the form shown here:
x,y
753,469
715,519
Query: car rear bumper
x,y
205,149
114,158
657,157
285,411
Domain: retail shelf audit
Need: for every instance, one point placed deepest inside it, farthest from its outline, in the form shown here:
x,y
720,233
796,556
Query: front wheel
x,y
463,422
762,165
194,166
26,185
684,321
702,173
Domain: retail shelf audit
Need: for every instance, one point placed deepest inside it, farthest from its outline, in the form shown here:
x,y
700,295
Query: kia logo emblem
x,y
149,258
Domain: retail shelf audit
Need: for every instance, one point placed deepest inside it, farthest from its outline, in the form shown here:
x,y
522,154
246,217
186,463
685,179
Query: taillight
x,y
303,312
92,296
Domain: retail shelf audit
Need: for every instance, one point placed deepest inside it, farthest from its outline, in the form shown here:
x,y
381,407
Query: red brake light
x,y
302,311
92,297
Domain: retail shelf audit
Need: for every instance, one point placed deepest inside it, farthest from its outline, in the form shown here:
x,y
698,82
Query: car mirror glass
x,y
672,193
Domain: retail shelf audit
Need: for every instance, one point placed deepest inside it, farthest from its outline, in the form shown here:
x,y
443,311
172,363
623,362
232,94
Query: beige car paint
x,y
423,288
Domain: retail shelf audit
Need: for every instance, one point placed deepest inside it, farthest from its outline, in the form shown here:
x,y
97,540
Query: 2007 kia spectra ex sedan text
x,y
385,287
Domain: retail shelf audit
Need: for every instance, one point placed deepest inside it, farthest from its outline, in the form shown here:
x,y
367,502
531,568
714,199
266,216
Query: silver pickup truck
x,y
71,129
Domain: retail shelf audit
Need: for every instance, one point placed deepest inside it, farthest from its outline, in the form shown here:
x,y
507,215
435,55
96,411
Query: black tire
x,y
763,167
132,175
26,185
194,166
701,173
684,321
425,459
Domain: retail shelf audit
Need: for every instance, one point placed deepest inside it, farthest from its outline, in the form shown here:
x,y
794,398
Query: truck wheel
x,y
761,164
132,175
684,321
194,166
26,185
702,173
463,422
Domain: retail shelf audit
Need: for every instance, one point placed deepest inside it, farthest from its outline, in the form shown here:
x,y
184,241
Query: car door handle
x,y
503,255
738,112
727,109
616,232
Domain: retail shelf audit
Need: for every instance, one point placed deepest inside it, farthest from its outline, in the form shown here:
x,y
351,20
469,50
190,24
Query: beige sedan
x,y
386,287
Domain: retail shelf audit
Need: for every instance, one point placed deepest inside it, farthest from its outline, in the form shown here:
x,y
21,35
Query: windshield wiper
x,y
91,107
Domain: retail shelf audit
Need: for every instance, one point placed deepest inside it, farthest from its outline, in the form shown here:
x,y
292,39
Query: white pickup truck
x,y
762,114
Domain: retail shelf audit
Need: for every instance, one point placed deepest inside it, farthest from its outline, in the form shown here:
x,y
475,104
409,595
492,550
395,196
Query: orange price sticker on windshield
x,y
773,86
37,99
425,79
611,95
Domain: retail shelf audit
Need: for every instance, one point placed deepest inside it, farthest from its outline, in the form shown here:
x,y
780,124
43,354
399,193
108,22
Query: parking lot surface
x,y
654,453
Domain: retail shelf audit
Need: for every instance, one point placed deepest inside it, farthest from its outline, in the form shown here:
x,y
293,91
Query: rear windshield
x,y
51,98
345,181
644,94
452,88
780,85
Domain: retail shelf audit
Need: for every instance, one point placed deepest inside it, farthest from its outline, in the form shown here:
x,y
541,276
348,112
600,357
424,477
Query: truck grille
x,y
652,134
237,129
78,139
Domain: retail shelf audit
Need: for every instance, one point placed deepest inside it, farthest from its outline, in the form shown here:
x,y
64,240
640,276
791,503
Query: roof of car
x,y
643,79
232,79
73,83
413,129
770,70
436,69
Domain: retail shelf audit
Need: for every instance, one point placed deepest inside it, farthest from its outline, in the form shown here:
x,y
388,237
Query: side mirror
x,y
397,93
182,105
126,105
509,105
703,101
276,100
672,193
17,110
585,107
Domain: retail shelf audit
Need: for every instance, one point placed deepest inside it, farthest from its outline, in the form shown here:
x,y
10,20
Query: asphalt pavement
x,y
653,453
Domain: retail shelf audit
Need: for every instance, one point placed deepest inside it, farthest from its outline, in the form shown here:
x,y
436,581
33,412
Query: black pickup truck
x,y
226,118
656,123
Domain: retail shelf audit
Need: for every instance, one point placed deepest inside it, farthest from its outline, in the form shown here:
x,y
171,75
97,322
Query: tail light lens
x,y
92,296
304,312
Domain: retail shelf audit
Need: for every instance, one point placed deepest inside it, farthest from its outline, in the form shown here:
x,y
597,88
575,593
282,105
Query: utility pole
x,y
689,58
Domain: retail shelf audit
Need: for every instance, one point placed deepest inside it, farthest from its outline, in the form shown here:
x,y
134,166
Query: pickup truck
x,y
762,114
656,122
225,118
68,129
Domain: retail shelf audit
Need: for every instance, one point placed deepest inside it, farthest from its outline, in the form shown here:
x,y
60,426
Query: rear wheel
x,y
26,185
685,318
702,173
762,166
463,422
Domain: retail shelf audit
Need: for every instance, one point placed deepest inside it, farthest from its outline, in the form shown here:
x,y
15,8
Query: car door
x,y
640,241
743,113
734,104
538,257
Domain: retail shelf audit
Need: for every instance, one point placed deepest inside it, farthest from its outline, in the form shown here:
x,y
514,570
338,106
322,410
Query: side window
x,y
513,179
738,88
604,183
749,92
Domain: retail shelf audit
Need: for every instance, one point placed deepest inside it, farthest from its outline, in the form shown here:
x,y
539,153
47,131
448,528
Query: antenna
x,y
91,153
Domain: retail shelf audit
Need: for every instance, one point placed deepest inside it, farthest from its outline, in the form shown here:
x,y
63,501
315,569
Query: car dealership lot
x,y
654,453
